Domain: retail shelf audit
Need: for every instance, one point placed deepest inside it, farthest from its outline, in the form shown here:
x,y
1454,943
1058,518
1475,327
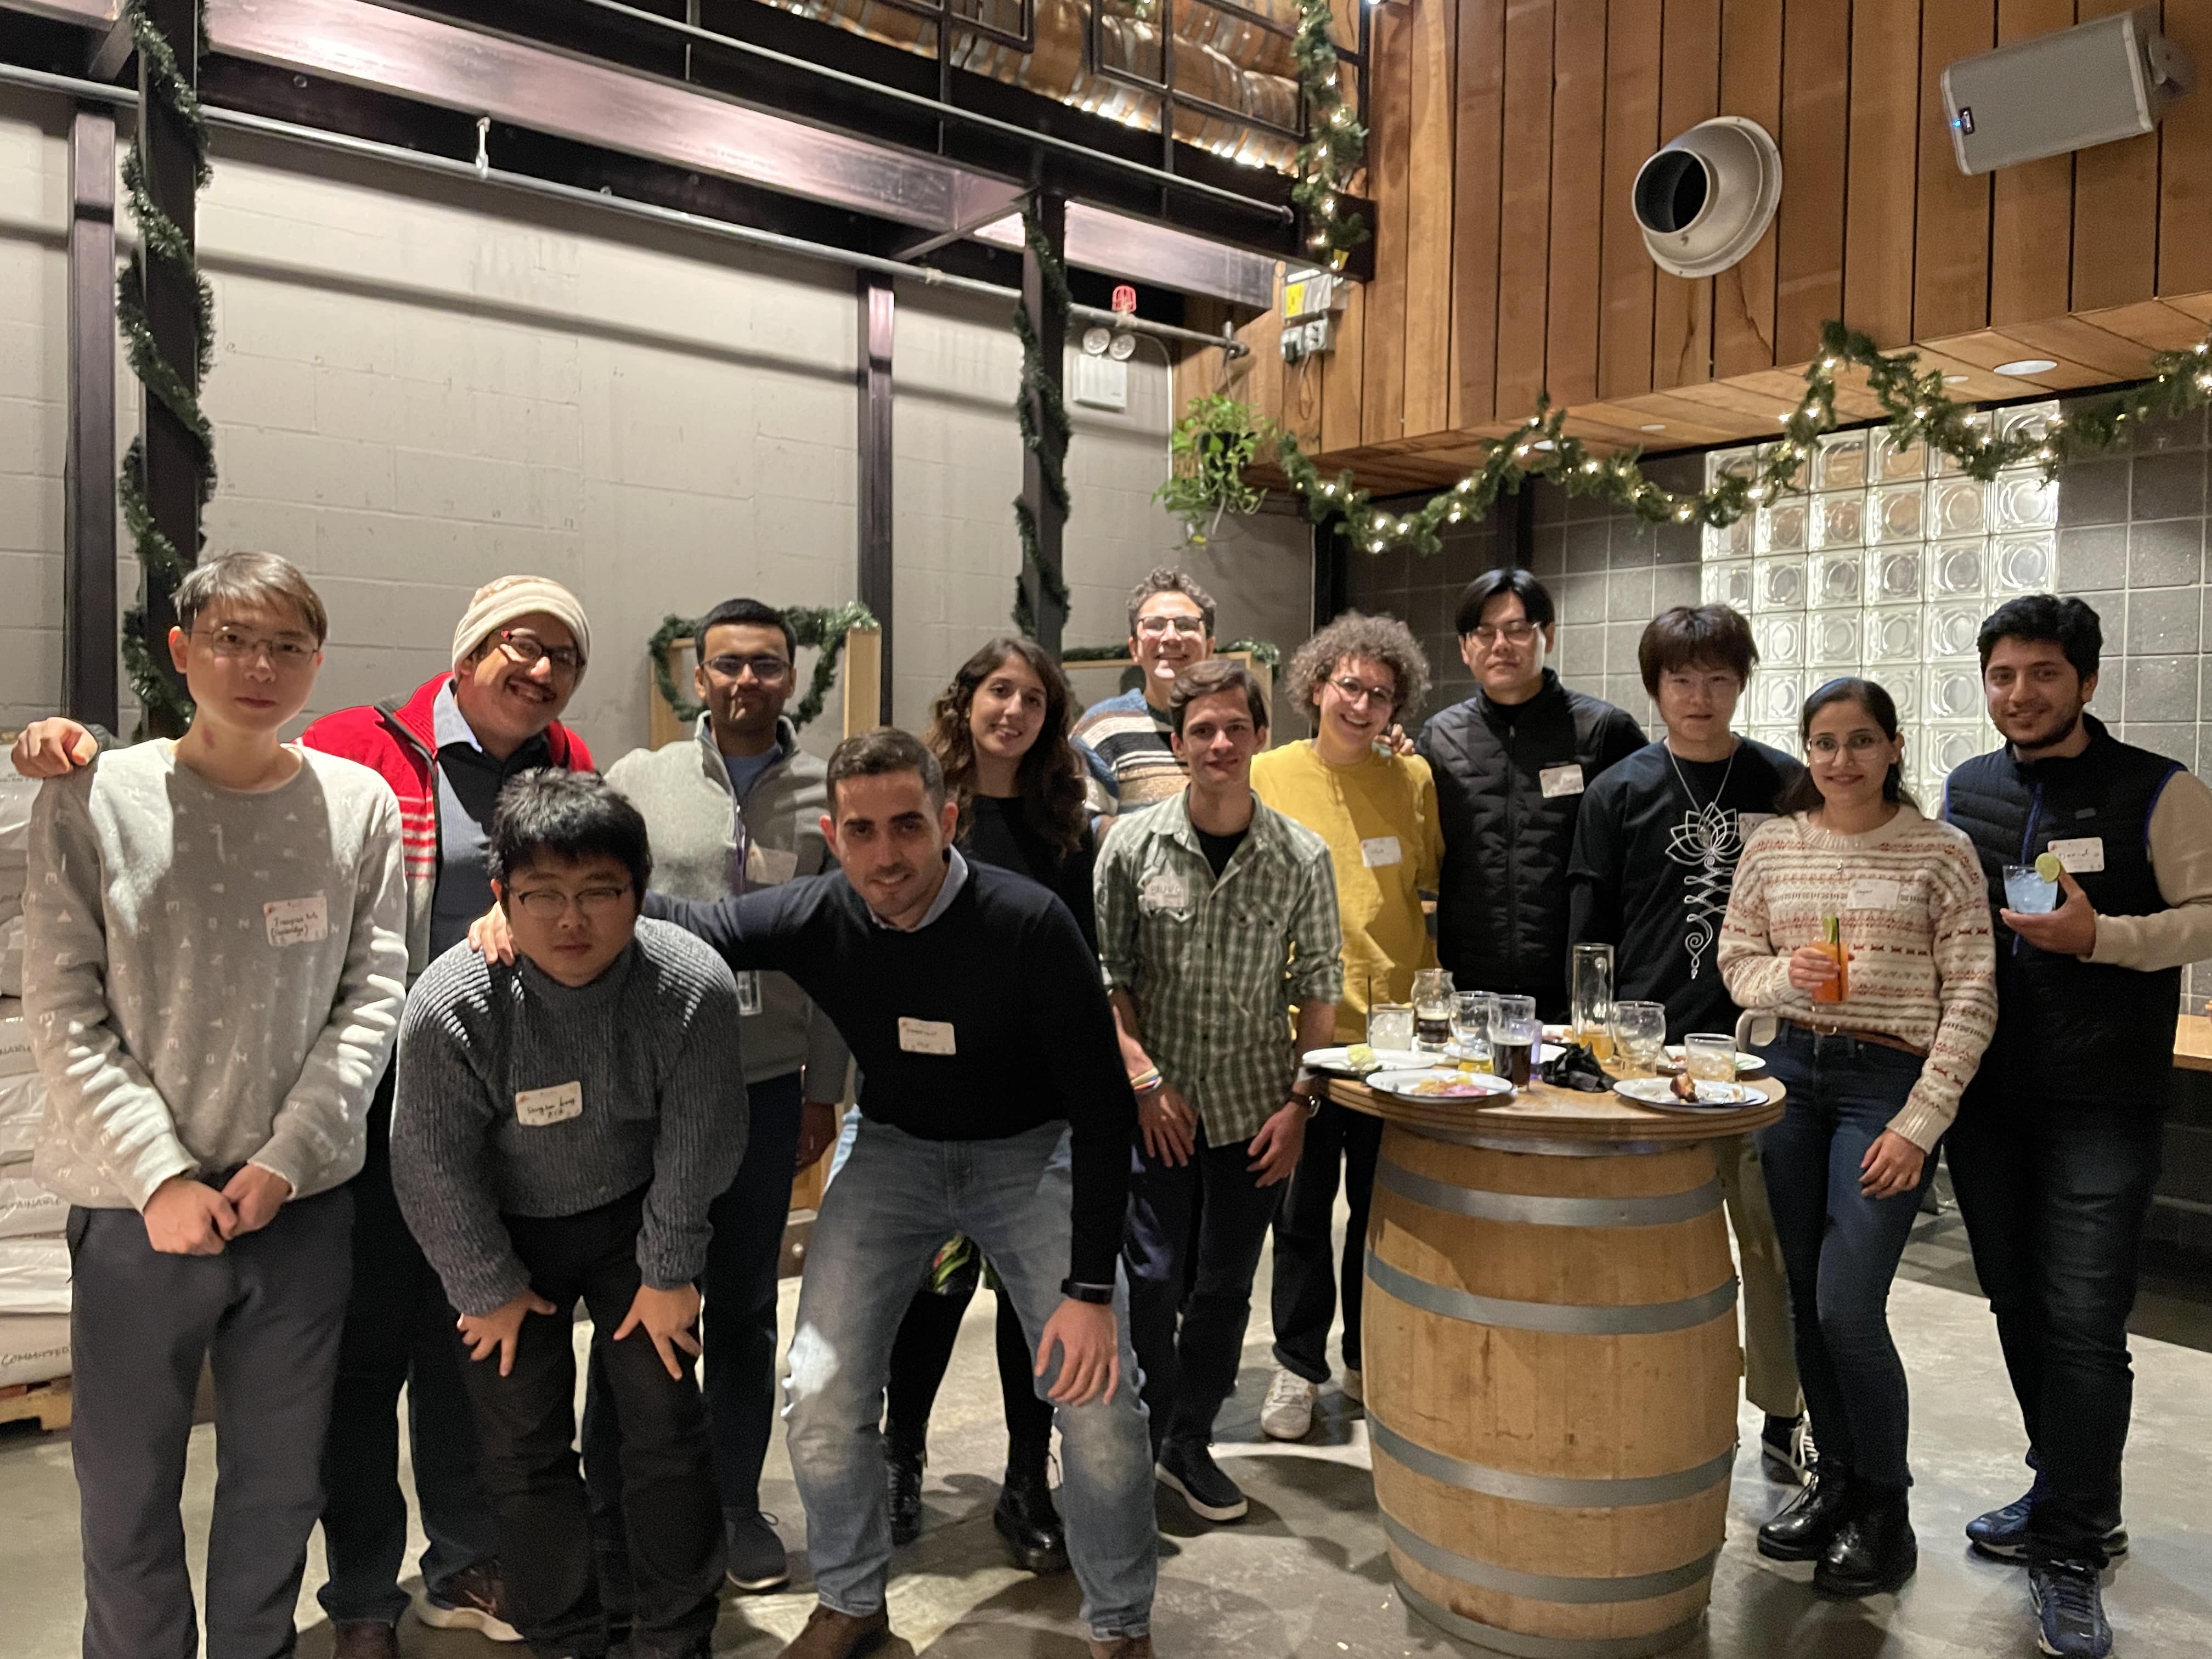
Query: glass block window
x,y
1885,569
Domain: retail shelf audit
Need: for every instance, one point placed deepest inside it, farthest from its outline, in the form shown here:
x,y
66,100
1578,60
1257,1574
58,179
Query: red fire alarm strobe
x,y
1125,298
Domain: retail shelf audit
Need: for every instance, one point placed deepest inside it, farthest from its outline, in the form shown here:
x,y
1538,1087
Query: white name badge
x,y
1876,893
1557,780
2083,856
768,866
749,993
1165,890
300,921
536,1108
1379,852
925,1036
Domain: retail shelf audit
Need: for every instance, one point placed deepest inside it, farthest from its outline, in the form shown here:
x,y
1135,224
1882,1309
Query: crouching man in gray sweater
x,y
560,1127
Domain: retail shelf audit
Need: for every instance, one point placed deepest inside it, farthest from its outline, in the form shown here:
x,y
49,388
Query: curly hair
x,y
1051,776
1165,579
1380,639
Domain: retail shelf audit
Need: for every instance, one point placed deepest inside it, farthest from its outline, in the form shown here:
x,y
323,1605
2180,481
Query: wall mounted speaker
x,y
2092,84
1703,201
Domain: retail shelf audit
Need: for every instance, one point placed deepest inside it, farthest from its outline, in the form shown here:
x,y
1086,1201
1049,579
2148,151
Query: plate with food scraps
x,y
1666,1093
1439,1085
1746,1061
1357,1060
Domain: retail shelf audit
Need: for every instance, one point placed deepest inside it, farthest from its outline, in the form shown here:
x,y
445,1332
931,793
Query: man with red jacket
x,y
519,655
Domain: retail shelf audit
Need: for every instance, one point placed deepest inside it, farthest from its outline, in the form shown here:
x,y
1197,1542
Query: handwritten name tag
x,y
2082,856
925,1036
537,1108
1876,893
1165,890
297,921
1379,852
1557,780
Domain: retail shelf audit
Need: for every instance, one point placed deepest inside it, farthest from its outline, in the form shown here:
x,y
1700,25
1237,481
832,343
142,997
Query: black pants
x,y
527,1423
2054,1195
922,1349
1307,1273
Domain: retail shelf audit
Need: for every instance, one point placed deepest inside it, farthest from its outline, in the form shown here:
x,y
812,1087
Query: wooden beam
x,y
1574,268
1526,226
2032,206
2184,171
1689,92
1751,86
2115,217
1478,141
1809,249
1883,169
1951,243
1430,190
90,685
1389,171
1626,275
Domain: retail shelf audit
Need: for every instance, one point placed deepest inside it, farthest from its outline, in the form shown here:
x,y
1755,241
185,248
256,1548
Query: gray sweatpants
x,y
266,1313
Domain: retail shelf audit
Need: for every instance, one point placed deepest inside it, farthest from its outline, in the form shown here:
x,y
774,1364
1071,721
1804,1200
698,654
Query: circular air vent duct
x,y
1707,199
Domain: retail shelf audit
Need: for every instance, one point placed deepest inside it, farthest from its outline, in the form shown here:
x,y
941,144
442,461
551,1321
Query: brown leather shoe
x,y
369,1639
830,1634
1121,1647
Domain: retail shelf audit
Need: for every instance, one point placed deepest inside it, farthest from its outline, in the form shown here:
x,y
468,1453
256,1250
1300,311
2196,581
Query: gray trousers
x,y
266,1314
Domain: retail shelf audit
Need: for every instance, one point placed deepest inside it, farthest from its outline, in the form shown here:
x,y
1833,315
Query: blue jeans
x,y
1839,1248
897,1199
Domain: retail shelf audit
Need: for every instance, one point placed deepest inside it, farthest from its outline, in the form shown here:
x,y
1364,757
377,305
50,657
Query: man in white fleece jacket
x,y
214,971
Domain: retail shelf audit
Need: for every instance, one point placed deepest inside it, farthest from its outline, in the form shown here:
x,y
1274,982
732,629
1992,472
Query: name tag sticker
x,y
1379,852
1876,893
1749,823
305,921
925,1036
770,866
1557,780
536,1108
749,993
2083,856
1164,890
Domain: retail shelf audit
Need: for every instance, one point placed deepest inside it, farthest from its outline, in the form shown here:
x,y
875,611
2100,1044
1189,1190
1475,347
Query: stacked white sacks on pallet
x,y
34,1266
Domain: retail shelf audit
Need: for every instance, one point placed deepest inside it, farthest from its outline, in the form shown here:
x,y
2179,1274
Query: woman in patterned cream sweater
x,y
1873,1080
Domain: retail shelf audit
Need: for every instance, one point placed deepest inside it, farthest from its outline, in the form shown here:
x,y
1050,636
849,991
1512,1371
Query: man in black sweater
x,y
994,1103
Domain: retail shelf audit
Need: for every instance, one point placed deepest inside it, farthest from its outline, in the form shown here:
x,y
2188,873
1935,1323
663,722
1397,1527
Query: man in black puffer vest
x,y
2055,1151
1511,764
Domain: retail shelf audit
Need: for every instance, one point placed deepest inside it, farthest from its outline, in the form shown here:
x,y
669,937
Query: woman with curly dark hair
x,y
1001,732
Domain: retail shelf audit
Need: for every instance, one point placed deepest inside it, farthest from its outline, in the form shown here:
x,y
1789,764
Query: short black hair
x,y
2068,623
1696,636
1536,599
880,752
747,613
567,817
1209,677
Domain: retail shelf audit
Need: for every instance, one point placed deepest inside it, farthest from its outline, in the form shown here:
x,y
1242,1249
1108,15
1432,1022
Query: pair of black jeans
x,y
2055,1195
527,1424
1307,1271
1191,1246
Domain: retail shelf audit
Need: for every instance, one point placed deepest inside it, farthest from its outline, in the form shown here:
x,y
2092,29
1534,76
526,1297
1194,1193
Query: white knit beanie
x,y
500,602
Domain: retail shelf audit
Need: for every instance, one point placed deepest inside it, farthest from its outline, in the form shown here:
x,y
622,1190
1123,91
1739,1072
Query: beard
x,y
2059,733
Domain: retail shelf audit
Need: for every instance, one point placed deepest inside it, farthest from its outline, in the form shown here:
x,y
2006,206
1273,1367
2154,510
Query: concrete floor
x,y
1305,1577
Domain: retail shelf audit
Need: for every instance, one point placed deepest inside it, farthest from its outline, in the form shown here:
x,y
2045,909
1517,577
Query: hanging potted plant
x,y
1207,453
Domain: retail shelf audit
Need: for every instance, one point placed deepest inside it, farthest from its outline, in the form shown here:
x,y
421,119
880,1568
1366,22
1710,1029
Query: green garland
x,y
1920,413
1265,652
167,709
1041,385
1336,141
823,627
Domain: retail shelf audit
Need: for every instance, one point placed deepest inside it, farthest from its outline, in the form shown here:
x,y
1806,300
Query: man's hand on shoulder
x,y
490,938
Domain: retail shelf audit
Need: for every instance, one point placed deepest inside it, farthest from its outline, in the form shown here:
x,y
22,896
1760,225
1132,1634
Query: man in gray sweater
x,y
735,809
561,1125
213,968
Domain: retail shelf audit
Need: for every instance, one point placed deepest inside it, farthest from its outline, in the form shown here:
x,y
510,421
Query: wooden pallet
x,y
46,1403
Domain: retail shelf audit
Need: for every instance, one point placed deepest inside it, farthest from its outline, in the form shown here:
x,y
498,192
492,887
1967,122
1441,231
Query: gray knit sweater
x,y
520,1096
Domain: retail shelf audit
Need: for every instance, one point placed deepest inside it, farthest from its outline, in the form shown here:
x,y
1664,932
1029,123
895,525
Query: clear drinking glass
x,y
1639,1036
1709,1056
1390,1026
1514,1031
1432,1009
1470,1029
2027,892
1592,1004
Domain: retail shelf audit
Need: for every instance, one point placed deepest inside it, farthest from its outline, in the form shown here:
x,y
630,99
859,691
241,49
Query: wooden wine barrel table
x,y
1551,1365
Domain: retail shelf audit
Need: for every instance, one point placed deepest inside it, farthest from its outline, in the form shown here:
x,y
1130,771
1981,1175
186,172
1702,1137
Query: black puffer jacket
x,y
1502,909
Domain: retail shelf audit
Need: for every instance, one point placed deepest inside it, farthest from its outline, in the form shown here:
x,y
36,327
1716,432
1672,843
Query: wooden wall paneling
x,y
1991,347
1478,97
1689,92
1682,425
1808,246
1390,85
2152,323
2032,206
1259,373
2075,339
1632,133
1951,245
1429,220
1341,374
2116,208
2185,172
1751,86
1883,169
1304,385
1578,93
2198,306
1524,225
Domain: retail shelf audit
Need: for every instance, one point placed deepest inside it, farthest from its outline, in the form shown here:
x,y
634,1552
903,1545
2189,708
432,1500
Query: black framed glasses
x,y
526,648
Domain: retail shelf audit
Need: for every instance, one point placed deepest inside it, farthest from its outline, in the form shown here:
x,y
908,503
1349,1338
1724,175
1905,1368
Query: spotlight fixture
x,y
2027,366
1956,379
1653,426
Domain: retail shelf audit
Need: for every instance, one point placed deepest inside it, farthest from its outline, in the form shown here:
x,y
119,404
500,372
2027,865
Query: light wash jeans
x,y
897,1199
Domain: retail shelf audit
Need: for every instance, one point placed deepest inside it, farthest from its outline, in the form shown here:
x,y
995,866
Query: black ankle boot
x,y
1809,1522
1874,1553
1028,1522
903,1467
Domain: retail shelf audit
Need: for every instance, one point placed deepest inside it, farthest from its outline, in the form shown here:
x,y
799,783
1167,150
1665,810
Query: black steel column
x,y
173,477
89,599
1331,574
879,316
1051,328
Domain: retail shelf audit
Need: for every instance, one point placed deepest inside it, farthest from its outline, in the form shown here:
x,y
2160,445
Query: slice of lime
x,y
2048,866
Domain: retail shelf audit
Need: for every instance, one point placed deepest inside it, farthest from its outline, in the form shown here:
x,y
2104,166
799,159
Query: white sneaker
x,y
1355,1386
1288,1414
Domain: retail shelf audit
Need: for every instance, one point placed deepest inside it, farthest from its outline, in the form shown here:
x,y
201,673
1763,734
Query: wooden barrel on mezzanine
x,y
1550,1371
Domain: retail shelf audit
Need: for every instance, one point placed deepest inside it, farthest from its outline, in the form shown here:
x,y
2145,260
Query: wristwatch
x,y
1076,1290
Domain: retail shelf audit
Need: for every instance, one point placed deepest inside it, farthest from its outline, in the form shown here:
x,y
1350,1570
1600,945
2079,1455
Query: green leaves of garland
x,y
1919,410
1040,395
1336,141
822,627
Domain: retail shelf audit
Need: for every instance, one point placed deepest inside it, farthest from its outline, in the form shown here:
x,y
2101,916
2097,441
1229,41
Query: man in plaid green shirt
x,y
1216,918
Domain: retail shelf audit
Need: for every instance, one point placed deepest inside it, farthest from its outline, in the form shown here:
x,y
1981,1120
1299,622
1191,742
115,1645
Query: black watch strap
x,y
1078,1292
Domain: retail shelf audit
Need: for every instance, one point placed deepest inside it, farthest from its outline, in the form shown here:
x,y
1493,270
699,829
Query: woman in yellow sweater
x,y
1376,809
1875,1049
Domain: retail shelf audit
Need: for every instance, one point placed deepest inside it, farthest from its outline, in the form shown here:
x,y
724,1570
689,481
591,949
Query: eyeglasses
x,y
1153,626
526,648
767,669
284,650
1353,692
1514,632
1860,744
551,903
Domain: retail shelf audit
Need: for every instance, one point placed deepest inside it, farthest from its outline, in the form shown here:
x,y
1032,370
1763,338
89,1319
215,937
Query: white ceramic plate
x,y
1337,1062
1746,1061
1465,1086
1660,1091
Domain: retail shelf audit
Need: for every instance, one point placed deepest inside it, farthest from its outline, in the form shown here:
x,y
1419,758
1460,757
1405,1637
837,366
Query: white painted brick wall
x,y
418,387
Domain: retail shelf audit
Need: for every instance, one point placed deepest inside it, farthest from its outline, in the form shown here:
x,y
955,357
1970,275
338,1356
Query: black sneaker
x,y
1785,1449
2001,1533
2069,1610
1189,1467
903,1469
758,1560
